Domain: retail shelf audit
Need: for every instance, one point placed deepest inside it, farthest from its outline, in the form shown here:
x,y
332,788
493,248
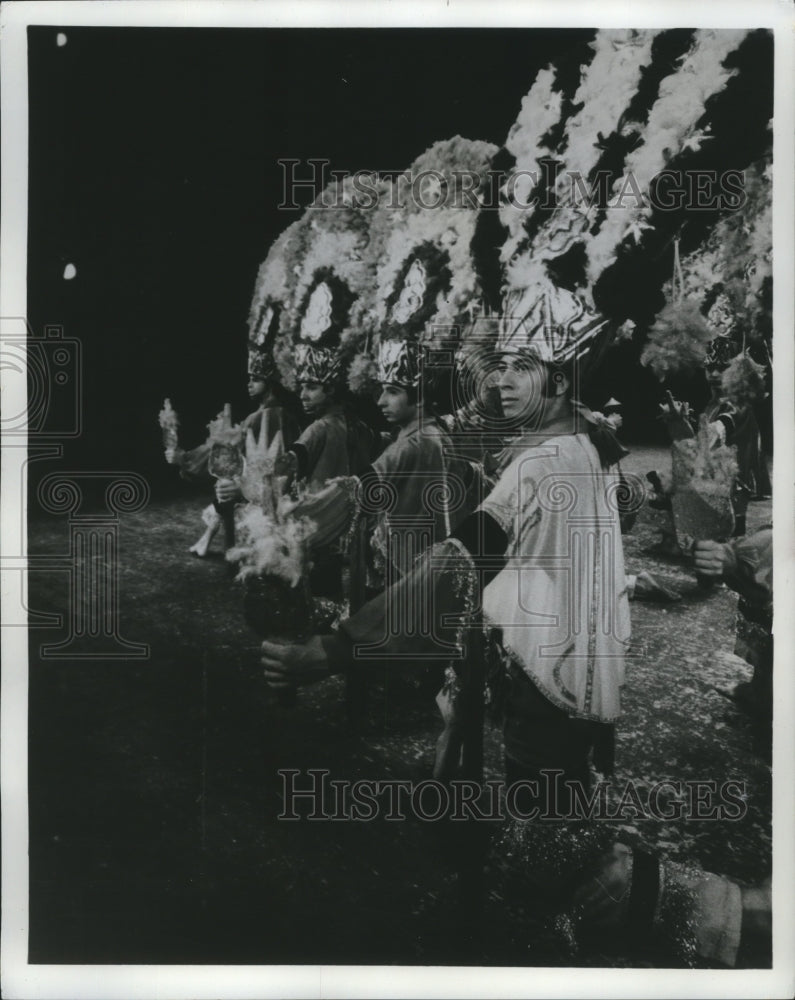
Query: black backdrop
x,y
153,169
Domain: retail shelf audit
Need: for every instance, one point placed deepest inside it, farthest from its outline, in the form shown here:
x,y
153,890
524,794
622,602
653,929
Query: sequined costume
x,y
414,469
333,445
546,556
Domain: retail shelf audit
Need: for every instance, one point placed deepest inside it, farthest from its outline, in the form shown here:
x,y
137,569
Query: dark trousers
x,y
541,738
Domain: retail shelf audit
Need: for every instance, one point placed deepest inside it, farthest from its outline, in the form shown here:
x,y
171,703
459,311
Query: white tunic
x,y
561,599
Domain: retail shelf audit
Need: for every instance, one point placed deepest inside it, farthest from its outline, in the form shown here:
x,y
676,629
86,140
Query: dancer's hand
x,y
227,490
286,465
294,665
676,416
712,558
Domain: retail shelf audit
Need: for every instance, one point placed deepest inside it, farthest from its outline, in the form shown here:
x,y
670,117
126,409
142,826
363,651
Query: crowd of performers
x,y
500,538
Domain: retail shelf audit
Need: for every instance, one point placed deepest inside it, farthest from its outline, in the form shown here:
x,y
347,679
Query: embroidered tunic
x,y
334,446
414,471
560,600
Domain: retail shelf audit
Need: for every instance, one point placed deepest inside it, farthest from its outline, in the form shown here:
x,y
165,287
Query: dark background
x,y
153,169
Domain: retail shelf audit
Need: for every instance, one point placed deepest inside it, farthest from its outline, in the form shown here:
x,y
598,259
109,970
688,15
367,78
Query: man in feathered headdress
x,y
414,466
405,495
274,417
335,444
546,563
277,407
276,410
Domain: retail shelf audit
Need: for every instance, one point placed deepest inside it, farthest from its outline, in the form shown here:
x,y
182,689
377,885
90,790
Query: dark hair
x,y
414,393
285,397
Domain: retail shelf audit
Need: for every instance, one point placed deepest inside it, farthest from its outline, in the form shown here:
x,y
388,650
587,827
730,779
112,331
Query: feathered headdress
x,y
317,364
261,365
399,363
725,346
720,353
551,323
427,287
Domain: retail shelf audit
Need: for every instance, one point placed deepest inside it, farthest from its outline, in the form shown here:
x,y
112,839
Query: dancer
x,y
276,410
545,546
415,466
427,486
335,444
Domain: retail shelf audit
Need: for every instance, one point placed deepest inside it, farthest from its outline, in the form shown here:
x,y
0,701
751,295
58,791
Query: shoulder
x,y
546,459
538,458
758,545
315,431
252,419
397,453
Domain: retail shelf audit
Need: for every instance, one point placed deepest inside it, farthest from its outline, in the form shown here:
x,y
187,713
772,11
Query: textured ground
x,y
154,794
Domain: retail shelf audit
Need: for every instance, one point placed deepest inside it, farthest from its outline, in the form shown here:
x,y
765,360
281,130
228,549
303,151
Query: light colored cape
x,y
560,602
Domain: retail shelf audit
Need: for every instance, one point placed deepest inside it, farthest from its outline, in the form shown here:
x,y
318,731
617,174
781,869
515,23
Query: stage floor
x,y
154,792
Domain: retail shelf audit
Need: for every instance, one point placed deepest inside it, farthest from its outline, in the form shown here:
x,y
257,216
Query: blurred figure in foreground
x,y
746,565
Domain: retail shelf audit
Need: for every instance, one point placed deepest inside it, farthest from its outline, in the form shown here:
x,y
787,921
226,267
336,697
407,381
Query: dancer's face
x,y
396,405
714,378
256,388
315,398
521,384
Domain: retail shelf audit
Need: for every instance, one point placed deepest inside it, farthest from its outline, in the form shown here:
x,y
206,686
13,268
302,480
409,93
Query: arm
x,y
745,564
301,452
677,418
434,578
725,423
191,464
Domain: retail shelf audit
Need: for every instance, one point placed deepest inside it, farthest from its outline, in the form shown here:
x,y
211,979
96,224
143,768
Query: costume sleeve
x,y
309,447
399,456
751,574
332,511
486,542
727,419
420,614
513,503
251,421
193,464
